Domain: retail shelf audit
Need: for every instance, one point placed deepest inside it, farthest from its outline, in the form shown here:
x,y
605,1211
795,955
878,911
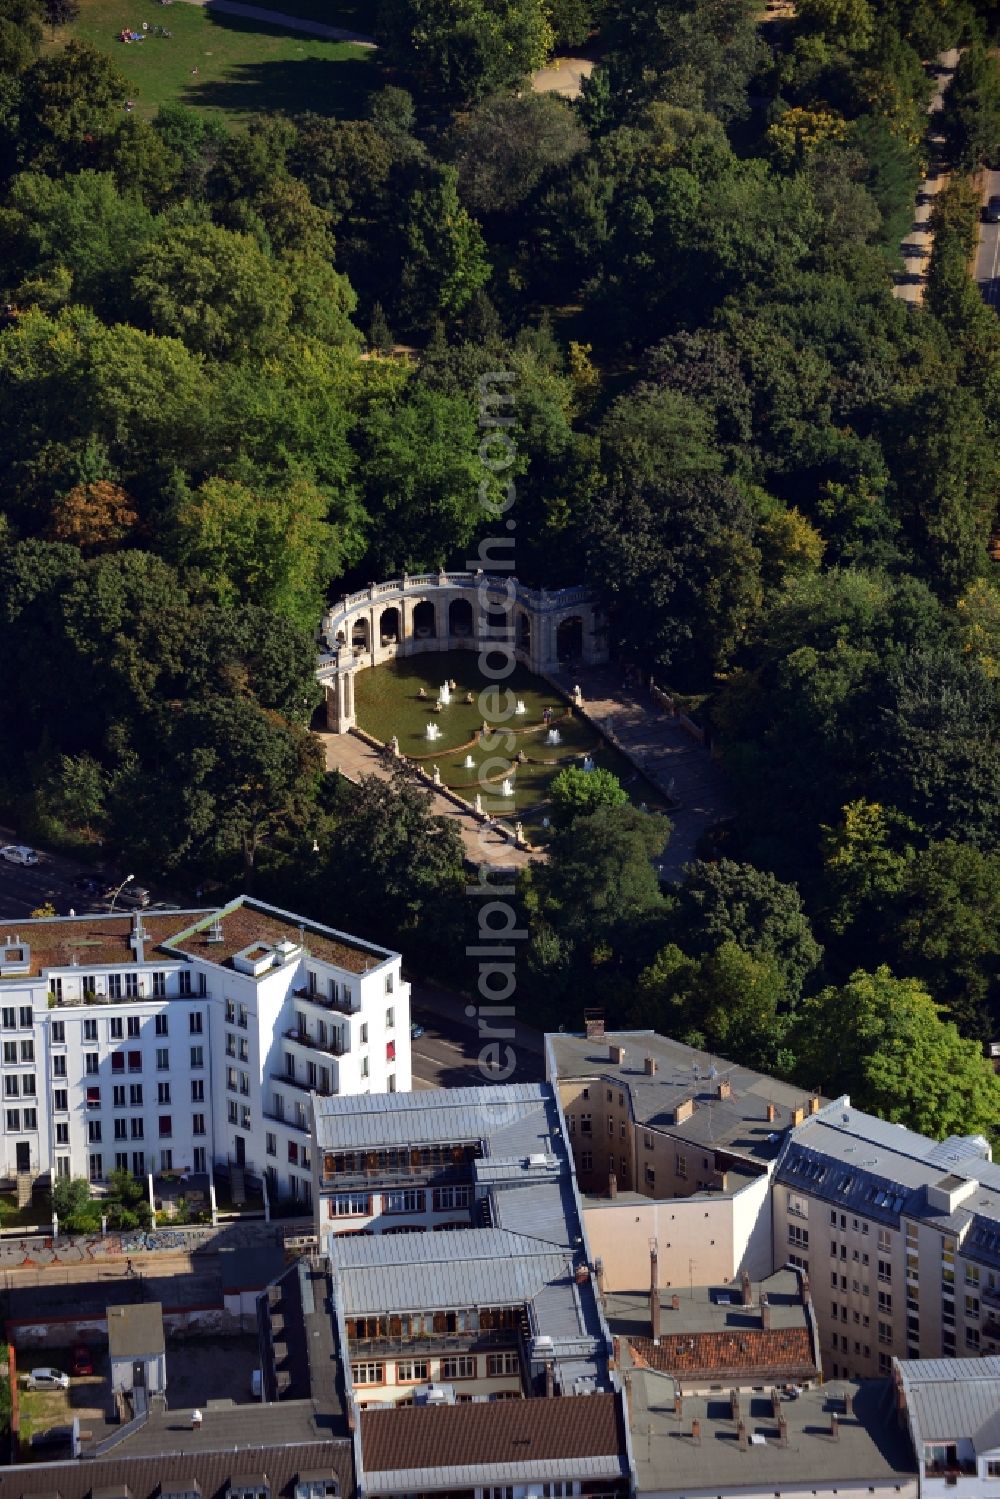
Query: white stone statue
x,y
437,776
479,805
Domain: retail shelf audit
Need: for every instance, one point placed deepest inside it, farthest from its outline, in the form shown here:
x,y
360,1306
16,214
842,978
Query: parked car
x,y
135,896
82,1360
48,1379
416,1030
991,213
18,853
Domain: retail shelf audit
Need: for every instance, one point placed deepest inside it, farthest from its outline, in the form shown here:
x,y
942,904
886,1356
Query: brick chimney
x,y
775,1404
772,1113
550,1385
612,1184
654,1293
765,1313
814,1104
593,1022
798,1115
616,1054
678,1403
724,1088
834,1426
782,1430
696,1431
741,1436
848,1402
650,1065
806,1292
734,1404
746,1289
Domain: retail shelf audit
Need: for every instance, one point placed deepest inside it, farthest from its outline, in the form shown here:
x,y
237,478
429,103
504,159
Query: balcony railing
x,y
303,1086
286,1120
325,1001
333,1045
391,1176
430,1344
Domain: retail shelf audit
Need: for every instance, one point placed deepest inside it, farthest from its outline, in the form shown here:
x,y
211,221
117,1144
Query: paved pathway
x,y
291,23
916,248
354,758
672,759
563,76
988,253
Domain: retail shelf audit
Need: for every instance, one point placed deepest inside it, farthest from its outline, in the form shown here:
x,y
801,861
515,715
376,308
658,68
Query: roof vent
x,y
215,933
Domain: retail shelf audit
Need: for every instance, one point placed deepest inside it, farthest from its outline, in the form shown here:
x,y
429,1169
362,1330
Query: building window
x,y
116,1028
96,1166
244,1117
972,1306
885,1332
499,1364
348,1205
14,1119
91,1063
195,1022
184,982
232,1111
884,1270
117,1061
114,986
197,1090
161,1026
131,986
166,1160
587,1161
242,1016
413,1370
138,1129
885,1301
135,1095
163,1092
93,1098
270,1143
60,1100
681,1166
798,1236
390,1018
62,1165
368,1373
461,1366
162,1059
30,1119
134,1027
586,1124
197,1124
90,1030
389,983
159,992
197,1057
364,1033
403,1200
58,1066
364,1067
138,1163
135,1061
446,1198
121,1129
62,1134
166,1126
57,1031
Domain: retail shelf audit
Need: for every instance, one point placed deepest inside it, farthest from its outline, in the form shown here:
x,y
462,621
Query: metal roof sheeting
x,y
377,1121
948,1400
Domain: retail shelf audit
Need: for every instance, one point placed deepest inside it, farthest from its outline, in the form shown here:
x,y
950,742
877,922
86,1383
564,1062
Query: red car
x,y
83,1362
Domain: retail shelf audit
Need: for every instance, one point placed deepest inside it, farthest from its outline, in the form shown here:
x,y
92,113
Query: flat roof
x,y
83,943
136,1331
711,1309
438,1116
738,1122
870,1447
244,922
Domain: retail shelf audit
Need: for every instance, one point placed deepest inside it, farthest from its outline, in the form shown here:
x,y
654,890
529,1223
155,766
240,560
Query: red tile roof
x,y
784,1353
503,1431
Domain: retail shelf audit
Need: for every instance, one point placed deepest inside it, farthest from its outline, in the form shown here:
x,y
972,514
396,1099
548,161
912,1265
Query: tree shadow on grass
x,y
331,88
337,84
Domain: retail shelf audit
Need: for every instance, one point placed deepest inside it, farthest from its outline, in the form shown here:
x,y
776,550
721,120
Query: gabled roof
x,y
494,1442
950,1400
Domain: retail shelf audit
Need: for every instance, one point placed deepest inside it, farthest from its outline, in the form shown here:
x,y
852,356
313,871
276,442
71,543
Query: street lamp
x,y
118,892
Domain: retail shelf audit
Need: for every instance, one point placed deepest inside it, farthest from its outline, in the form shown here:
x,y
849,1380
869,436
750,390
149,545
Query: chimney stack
x,y
746,1289
593,1023
798,1115
549,1381
741,1436
725,1088
772,1113
814,1104
612,1184
678,1403
599,1275
834,1426
734,1405
650,1066
806,1293
654,1292
675,1302
616,1054
696,1432
782,1430
765,1313
848,1402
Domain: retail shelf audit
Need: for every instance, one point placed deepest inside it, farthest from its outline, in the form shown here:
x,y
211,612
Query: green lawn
x,y
229,65
389,702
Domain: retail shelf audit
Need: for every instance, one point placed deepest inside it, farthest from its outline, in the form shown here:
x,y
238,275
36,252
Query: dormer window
x,y
316,1486
249,1486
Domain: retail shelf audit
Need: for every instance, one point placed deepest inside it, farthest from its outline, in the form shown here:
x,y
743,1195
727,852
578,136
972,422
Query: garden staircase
x,y
237,1186
25,1184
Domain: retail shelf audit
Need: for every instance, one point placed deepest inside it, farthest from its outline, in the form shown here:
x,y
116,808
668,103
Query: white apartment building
x,y
154,1042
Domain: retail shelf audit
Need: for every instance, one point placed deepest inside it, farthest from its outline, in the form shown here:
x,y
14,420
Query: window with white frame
x,y
403,1200
368,1373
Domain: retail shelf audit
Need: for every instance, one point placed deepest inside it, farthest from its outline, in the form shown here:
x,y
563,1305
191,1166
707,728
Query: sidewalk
x,y
658,745
916,248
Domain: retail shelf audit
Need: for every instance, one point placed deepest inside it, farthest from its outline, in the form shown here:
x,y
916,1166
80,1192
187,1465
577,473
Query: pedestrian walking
x,y
128,1268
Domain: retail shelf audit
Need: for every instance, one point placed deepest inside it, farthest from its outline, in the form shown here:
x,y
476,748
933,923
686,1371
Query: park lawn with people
x,y
226,64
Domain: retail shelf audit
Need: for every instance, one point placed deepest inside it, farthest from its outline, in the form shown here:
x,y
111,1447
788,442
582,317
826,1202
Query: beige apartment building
x,y
900,1237
676,1145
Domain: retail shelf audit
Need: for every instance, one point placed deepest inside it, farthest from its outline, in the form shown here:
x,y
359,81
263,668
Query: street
x,y
23,888
447,1054
988,254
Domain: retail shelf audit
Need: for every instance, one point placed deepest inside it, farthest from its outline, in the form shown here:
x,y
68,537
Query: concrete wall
x,y
694,1237
63,1332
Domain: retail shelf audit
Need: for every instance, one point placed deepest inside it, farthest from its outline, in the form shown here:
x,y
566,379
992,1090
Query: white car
x,y
18,853
48,1379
